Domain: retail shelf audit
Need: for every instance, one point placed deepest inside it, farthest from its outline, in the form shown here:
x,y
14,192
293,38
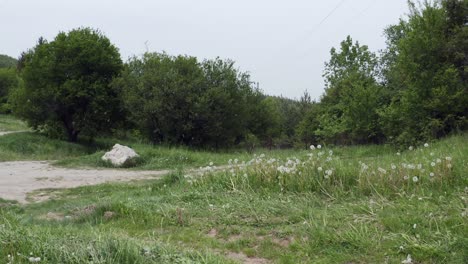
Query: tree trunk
x,y
71,132
73,136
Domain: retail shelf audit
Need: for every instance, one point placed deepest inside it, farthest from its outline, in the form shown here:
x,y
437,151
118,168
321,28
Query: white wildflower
x,y
319,168
406,177
319,146
393,167
211,163
431,174
408,260
312,147
449,166
414,226
415,179
34,260
398,153
433,164
438,160
426,145
410,148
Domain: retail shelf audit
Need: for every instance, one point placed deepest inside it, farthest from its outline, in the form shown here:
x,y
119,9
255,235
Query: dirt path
x,y
10,132
18,178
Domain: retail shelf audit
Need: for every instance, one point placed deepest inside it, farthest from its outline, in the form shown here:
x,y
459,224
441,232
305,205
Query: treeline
x,y
414,90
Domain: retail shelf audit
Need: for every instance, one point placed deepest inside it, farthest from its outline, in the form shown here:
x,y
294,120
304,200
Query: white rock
x,y
119,155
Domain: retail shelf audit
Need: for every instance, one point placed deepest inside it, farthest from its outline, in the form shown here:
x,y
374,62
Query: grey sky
x,y
281,43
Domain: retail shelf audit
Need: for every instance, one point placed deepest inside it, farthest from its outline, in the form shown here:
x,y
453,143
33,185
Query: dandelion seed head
x,y
433,164
426,145
319,146
408,260
415,179
381,170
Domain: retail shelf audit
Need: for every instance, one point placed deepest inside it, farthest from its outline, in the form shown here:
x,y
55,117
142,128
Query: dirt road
x,y
18,178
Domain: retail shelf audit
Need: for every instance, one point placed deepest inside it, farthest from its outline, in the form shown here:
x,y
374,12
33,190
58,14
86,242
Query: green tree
x,y
66,84
428,73
352,96
161,93
306,131
7,61
8,81
182,101
269,121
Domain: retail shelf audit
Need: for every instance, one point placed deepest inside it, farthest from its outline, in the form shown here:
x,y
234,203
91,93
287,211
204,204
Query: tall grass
x,y
322,170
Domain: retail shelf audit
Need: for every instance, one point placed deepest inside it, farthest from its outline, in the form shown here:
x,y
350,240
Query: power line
x,y
326,17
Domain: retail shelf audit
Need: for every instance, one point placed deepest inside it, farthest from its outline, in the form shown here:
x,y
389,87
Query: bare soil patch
x,y
18,178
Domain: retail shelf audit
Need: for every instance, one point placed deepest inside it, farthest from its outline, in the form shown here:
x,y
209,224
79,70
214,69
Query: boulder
x,y
120,155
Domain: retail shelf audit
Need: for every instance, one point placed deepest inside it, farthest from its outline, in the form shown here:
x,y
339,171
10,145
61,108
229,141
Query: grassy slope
x,y
10,123
178,221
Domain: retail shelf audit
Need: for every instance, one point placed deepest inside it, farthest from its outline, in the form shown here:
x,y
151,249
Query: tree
x,y
8,81
306,131
182,101
161,93
7,61
66,84
352,96
428,73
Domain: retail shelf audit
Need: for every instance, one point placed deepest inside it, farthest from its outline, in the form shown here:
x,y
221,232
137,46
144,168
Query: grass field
x,y
367,204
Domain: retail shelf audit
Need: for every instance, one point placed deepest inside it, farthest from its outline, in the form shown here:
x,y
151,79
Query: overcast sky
x,y
283,44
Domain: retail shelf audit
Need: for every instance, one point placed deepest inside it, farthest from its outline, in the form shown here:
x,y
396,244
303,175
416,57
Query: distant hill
x,y
7,61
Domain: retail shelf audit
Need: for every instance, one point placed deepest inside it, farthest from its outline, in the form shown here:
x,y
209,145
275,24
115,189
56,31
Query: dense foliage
x,y
7,61
66,87
412,91
8,81
180,100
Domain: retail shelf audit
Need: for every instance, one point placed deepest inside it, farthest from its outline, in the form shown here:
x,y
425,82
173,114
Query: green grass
x,y
33,146
154,157
182,219
10,123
